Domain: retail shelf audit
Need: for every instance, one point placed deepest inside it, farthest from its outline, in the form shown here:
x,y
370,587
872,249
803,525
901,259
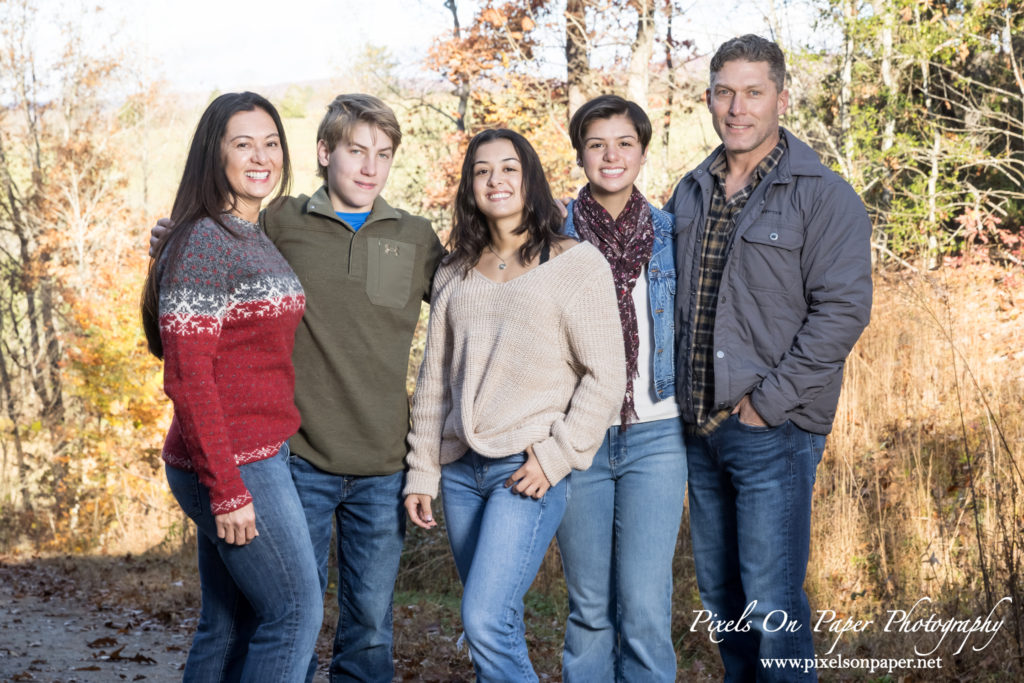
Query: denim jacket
x,y
661,288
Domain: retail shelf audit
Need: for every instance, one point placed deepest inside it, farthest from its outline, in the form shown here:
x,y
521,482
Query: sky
x,y
202,45
237,44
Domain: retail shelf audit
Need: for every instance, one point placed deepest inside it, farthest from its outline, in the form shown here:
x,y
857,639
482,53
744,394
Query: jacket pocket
x,y
683,223
770,258
389,272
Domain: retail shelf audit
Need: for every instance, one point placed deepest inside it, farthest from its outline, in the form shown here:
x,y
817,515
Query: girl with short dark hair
x,y
618,536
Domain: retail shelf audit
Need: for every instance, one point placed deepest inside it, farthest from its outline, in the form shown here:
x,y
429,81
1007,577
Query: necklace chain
x,y
503,264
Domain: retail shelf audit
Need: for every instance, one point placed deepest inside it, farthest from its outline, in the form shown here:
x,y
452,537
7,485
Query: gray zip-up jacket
x,y
795,294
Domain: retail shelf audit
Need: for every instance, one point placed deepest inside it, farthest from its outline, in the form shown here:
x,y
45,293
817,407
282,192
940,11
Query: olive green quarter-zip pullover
x,y
363,294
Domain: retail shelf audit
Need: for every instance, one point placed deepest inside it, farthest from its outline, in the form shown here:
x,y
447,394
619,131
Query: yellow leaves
x,y
108,368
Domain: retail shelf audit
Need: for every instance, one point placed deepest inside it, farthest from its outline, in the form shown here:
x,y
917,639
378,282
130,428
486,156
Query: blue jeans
x,y
261,610
617,541
370,518
750,520
498,539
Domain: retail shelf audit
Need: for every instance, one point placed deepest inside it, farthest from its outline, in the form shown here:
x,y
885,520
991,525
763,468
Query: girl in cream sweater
x,y
523,372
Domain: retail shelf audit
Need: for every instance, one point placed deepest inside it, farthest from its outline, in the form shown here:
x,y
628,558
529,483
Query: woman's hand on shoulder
x,y
418,507
529,480
237,527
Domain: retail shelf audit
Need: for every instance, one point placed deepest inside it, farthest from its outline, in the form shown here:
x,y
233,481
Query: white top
x,y
647,404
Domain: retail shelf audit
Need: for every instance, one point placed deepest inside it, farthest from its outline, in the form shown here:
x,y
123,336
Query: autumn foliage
x,y
80,398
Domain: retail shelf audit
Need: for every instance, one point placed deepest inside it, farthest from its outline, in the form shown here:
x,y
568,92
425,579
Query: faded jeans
x,y
617,540
261,609
498,539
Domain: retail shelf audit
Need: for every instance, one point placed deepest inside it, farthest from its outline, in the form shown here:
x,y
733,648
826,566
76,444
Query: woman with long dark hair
x,y
619,533
522,374
220,307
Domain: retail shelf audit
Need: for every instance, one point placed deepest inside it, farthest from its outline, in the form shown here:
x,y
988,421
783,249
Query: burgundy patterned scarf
x,y
627,243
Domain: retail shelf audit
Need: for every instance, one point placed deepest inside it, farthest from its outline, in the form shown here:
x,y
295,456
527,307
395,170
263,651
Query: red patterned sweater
x,y
228,312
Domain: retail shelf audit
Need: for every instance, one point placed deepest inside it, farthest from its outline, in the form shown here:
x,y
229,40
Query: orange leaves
x,y
501,17
494,17
498,38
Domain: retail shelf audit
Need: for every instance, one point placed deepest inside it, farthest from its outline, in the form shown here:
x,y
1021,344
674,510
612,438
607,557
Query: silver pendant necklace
x,y
502,265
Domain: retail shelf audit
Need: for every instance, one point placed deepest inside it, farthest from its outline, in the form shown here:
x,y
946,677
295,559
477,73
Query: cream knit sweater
x,y
538,360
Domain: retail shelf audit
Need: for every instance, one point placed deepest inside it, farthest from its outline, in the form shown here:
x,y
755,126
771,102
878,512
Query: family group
x,y
586,368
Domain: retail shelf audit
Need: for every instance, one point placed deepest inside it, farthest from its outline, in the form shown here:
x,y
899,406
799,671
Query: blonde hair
x,y
350,109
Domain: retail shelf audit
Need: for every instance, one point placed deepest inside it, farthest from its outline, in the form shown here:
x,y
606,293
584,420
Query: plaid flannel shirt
x,y
718,232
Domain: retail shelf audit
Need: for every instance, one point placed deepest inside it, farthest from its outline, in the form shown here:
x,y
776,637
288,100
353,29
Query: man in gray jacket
x,y
774,288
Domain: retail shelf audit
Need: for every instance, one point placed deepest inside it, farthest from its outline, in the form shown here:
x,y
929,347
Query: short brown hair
x,y
752,48
605,107
350,109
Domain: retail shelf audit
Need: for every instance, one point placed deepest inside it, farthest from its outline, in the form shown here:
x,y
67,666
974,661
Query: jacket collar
x,y
320,204
799,160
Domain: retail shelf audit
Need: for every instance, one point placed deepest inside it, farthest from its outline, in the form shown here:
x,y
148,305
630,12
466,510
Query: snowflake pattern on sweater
x,y
229,307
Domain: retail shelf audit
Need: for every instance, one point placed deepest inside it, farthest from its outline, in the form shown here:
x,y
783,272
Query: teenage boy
x,y
365,267
773,289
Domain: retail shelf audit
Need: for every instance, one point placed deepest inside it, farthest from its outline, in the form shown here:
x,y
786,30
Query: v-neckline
x,y
532,270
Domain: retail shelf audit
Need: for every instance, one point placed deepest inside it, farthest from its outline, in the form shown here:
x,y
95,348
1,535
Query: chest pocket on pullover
x,y
389,271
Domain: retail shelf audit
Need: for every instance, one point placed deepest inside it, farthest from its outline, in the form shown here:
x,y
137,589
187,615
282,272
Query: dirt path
x,y
97,619
100,619
54,639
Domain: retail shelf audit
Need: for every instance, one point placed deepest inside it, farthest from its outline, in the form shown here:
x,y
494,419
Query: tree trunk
x,y
7,391
670,97
846,89
933,256
577,56
462,90
640,53
888,74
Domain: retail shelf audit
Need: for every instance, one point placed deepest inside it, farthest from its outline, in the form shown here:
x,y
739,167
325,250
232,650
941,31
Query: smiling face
x,y
612,157
498,183
745,107
357,168
252,160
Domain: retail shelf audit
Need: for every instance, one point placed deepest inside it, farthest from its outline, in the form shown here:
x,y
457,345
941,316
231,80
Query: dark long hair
x,y
542,220
204,192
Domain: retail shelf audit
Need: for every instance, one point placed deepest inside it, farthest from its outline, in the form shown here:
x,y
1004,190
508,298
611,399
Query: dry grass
x,y
919,492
